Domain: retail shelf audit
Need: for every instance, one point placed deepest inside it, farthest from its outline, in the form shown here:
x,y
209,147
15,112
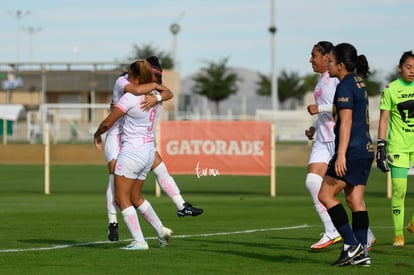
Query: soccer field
x,y
242,231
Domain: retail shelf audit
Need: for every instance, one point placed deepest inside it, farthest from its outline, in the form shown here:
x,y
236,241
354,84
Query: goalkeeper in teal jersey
x,y
395,146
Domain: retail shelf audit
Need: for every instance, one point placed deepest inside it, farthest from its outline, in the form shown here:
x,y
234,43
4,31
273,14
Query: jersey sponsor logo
x,y
408,130
343,99
407,95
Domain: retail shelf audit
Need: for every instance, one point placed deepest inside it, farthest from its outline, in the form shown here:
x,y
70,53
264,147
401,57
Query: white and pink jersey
x,y
117,93
324,94
138,125
137,151
113,135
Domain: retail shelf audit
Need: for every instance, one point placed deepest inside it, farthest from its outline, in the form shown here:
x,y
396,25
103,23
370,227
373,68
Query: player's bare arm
x,y
105,125
141,89
151,99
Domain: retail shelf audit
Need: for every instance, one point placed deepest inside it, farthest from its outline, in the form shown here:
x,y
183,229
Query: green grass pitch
x,y
243,229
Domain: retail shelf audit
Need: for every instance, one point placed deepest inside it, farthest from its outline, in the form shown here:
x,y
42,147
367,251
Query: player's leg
x,y
318,163
169,186
370,235
327,195
399,188
330,235
111,204
355,198
148,212
112,145
144,207
356,177
123,191
410,226
360,222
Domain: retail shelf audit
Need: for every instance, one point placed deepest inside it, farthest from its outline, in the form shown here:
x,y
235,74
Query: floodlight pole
x,y
272,30
175,28
31,31
18,15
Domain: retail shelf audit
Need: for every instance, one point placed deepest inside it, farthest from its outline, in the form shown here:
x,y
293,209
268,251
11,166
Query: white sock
x,y
313,184
168,185
132,222
150,216
110,200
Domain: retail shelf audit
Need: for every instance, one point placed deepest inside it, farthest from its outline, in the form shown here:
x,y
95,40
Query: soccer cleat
x,y
189,210
164,237
135,245
326,241
113,232
398,241
348,255
371,243
410,227
362,260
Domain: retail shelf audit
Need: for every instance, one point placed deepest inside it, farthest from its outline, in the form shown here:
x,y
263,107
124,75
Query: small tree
x,y
264,87
291,85
216,82
141,52
393,76
309,81
373,87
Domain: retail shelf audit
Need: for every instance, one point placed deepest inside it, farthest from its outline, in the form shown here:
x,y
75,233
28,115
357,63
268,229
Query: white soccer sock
x,y
110,200
313,184
132,222
150,216
168,185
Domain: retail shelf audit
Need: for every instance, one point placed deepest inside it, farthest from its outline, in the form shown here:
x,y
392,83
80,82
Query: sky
x,y
210,31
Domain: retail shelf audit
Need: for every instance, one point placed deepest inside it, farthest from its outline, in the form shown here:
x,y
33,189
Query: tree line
x,y
216,81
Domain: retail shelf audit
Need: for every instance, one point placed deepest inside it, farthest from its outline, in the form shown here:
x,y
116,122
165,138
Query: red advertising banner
x,y
211,148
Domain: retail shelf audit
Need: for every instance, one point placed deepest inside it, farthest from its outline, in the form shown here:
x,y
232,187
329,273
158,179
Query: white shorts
x,y
135,163
322,152
112,147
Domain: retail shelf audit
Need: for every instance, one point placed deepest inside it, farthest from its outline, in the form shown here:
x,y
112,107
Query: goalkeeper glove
x,y
382,156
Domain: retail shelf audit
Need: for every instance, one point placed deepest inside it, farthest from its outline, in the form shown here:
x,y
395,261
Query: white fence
x,y
77,122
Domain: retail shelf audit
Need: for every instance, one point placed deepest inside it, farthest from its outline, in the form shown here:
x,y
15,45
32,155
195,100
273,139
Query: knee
x,y
137,201
121,202
313,181
398,194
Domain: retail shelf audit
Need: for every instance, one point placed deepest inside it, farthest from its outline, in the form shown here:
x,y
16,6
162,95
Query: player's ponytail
x,y
362,67
347,54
